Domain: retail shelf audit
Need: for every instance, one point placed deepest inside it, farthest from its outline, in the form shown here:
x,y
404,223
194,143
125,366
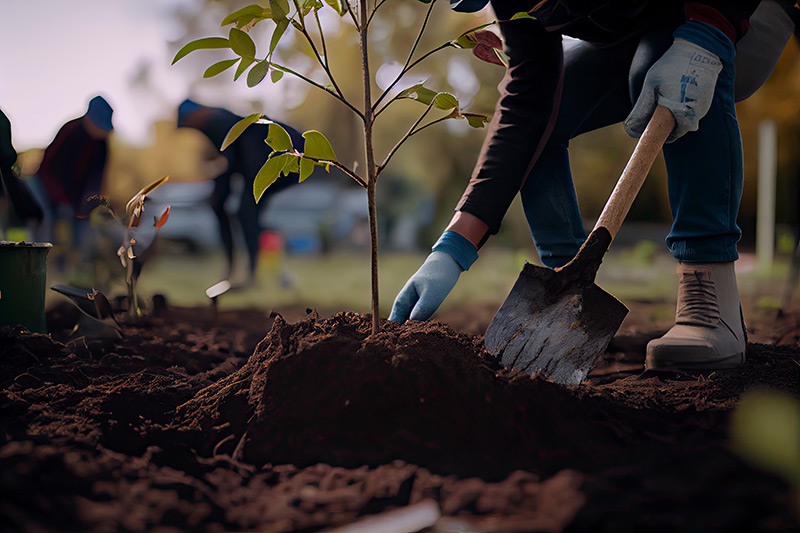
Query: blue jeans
x,y
704,167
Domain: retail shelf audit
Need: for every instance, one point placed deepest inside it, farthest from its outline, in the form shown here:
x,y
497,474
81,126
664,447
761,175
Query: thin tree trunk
x,y
371,170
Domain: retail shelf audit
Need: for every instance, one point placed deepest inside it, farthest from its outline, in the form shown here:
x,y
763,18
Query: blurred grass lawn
x,y
339,281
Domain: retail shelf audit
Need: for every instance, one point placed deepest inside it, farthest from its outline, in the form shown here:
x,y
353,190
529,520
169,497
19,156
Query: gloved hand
x,y
683,80
425,291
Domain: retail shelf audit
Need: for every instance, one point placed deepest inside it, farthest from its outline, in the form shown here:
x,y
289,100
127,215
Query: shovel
x,y
556,323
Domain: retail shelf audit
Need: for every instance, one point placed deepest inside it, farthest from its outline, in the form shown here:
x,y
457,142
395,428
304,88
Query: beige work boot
x,y
709,331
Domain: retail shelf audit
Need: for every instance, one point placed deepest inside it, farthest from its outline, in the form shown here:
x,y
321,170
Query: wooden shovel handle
x,y
619,203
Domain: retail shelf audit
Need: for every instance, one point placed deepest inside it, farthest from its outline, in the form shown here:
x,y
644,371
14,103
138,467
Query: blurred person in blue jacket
x,y
624,58
245,157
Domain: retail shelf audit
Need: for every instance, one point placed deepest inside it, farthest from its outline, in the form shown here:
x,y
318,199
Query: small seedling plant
x,y
135,240
303,17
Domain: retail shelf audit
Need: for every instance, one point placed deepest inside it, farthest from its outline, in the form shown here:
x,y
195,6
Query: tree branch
x,y
419,35
322,63
431,123
321,37
375,10
358,179
395,97
409,65
351,173
411,131
299,13
352,14
319,86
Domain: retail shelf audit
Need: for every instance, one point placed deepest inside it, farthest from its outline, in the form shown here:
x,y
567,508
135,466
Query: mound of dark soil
x,y
183,424
324,390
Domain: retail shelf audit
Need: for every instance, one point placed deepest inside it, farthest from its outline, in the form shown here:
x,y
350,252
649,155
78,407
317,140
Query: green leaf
x,y
206,43
219,67
239,128
244,21
243,64
257,73
338,5
467,39
426,96
522,15
269,173
241,43
249,13
275,75
476,120
280,28
502,56
280,9
310,5
292,165
419,93
306,168
278,139
445,101
318,147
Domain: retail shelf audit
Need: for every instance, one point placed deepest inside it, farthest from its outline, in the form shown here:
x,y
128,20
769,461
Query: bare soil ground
x,y
254,421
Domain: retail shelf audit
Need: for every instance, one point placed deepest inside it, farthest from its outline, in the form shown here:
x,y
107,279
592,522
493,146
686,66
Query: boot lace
x,y
697,300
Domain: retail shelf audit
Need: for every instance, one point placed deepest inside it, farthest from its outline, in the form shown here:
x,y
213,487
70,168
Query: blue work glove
x,y
425,291
683,80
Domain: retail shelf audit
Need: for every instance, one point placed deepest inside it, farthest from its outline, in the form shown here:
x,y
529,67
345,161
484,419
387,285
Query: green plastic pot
x,y
23,275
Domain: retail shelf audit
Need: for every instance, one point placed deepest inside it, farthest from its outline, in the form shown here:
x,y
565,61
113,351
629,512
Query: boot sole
x,y
663,363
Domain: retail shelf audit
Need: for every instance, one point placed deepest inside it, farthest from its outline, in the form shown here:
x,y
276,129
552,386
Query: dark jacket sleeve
x,y
523,120
730,16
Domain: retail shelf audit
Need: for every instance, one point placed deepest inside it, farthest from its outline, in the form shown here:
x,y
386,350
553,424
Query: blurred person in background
x,y
245,157
624,59
70,177
18,207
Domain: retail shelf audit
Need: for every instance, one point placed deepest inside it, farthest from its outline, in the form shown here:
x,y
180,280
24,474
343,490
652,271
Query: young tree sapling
x,y
303,17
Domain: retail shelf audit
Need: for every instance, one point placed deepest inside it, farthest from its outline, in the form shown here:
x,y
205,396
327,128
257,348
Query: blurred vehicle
x,y
311,218
192,224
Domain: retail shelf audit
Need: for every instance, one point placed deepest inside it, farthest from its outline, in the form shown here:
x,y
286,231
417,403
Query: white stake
x,y
765,213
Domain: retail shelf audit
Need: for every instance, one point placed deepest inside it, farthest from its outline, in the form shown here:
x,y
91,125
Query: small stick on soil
x,y
220,443
239,450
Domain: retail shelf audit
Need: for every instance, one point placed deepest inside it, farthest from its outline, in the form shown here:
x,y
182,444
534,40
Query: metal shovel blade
x,y
556,324
557,336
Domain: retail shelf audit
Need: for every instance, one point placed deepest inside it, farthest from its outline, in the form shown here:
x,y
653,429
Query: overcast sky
x,y
56,55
